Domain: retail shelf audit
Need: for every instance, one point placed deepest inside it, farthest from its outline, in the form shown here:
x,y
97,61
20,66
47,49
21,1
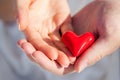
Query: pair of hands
x,y
43,23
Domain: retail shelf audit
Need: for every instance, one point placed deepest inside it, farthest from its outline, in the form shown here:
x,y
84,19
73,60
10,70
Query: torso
x,y
7,10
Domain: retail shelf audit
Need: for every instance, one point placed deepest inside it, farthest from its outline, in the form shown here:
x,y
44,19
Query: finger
x,y
43,44
47,64
20,42
56,38
63,59
28,49
42,60
47,49
102,47
56,68
70,69
23,8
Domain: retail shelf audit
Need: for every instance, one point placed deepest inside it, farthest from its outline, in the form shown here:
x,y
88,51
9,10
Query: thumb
x,y
22,9
101,48
67,25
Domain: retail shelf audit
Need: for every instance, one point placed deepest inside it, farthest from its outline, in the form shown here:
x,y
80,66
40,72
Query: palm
x,y
45,19
102,19
90,18
43,29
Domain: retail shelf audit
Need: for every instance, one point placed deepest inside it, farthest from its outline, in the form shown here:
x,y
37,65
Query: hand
x,y
41,59
42,21
101,18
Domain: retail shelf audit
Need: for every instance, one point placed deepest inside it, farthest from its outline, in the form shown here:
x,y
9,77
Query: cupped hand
x,y
43,22
42,60
99,17
102,18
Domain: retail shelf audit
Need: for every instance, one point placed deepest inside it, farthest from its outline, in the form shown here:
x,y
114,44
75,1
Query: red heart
x,y
77,44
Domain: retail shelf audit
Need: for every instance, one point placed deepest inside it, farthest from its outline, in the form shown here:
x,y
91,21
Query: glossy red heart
x,y
77,44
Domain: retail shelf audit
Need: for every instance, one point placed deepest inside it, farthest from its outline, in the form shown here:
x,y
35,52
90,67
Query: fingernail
x,y
81,68
65,66
73,62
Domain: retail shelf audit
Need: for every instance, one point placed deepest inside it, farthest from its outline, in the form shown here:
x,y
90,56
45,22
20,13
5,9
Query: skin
x,y
42,60
41,26
99,17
